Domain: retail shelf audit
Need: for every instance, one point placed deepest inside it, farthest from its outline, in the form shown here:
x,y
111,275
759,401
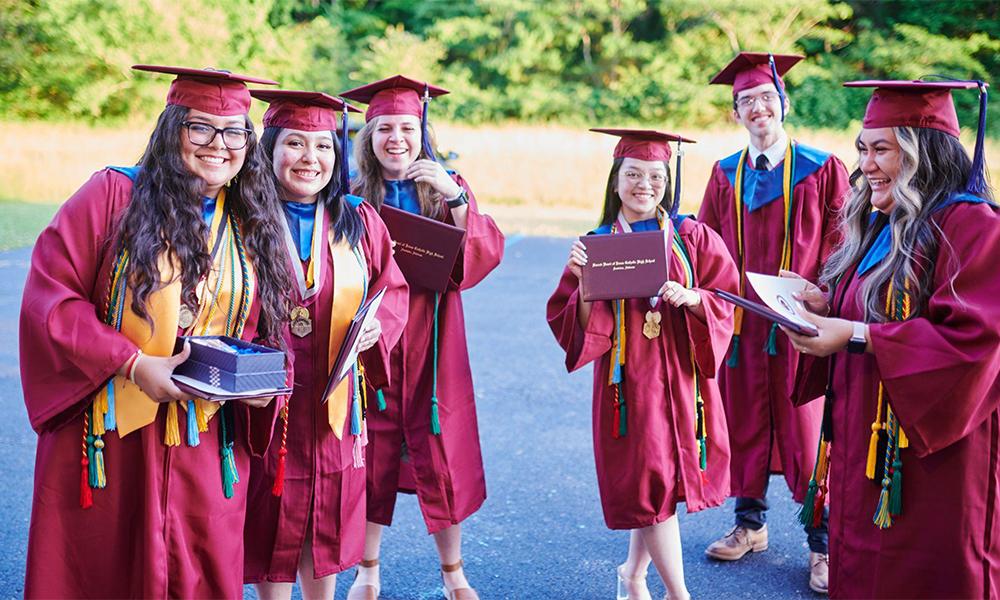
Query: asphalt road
x,y
540,533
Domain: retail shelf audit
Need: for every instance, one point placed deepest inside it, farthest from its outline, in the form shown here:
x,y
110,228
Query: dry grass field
x,y
535,180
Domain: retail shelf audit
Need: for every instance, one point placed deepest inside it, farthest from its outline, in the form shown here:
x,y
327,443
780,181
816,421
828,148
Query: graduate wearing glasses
x,y
658,423
138,489
774,203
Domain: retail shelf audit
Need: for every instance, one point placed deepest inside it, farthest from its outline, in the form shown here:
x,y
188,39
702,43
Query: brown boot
x,y
738,543
819,572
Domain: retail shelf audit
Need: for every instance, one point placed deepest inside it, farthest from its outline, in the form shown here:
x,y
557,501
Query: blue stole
x,y
760,188
883,242
402,194
301,218
645,225
207,204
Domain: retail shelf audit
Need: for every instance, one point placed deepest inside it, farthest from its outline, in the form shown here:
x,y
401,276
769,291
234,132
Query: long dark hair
x,y
370,185
165,215
344,219
613,202
934,166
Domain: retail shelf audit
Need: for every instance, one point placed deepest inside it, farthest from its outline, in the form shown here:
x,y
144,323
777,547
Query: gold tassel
x,y
822,461
100,405
199,415
172,434
903,441
872,451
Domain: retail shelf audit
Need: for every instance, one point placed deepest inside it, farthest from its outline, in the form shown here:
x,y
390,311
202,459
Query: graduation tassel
x,y
192,425
896,491
622,414
777,84
100,408
230,476
110,420
675,208
977,176
86,496
171,434
100,478
734,353
772,341
425,141
279,476
873,440
435,416
381,399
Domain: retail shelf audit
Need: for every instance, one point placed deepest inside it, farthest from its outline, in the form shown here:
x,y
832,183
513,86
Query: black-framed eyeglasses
x,y
202,134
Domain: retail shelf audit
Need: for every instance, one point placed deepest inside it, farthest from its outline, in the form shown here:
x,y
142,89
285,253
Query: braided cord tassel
x,y
435,416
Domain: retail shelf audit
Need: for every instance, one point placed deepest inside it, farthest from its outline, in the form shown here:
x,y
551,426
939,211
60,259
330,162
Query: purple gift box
x,y
232,364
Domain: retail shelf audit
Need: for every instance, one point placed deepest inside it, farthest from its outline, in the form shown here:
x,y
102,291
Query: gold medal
x,y
185,317
651,328
301,324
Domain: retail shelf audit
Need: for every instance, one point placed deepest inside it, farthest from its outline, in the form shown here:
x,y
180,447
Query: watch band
x,y
857,343
459,200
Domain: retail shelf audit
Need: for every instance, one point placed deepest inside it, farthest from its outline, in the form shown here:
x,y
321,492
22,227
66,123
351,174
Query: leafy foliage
x,y
569,61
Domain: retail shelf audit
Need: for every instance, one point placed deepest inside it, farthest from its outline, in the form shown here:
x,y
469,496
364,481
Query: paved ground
x,y
540,534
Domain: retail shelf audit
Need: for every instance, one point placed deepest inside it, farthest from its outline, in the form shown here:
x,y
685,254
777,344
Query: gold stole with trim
x,y
349,290
219,293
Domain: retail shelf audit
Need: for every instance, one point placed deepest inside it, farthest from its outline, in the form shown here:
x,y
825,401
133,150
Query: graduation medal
x,y
185,317
301,325
651,328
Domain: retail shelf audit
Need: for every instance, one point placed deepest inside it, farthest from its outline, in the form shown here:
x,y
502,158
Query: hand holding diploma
x,y
370,335
833,333
577,258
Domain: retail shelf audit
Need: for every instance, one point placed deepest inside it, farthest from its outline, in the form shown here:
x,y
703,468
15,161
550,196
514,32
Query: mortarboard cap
x,y
750,69
643,144
647,144
209,90
926,104
305,111
397,95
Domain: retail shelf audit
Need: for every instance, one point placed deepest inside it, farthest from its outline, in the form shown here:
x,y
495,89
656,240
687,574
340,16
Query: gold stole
x,y
350,275
218,296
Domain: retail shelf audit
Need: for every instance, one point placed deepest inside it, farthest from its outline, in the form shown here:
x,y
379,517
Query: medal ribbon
x,y
310,281
786,244
615,375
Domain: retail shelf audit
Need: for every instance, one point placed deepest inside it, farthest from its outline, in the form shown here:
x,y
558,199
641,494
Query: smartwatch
x,y
459,200
857,343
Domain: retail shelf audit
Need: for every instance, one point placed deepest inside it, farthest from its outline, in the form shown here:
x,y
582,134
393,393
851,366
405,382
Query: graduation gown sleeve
x,y
67,351
582,345
950,390
483,247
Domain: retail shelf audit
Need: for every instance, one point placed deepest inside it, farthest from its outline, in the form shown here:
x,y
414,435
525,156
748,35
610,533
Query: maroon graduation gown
x,y
446,470
756,392
941,371
162,527
321,484
644,474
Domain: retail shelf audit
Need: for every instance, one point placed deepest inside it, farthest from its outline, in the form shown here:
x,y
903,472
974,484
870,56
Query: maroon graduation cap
x,y
643,144
396,95
209,90
927,104
648,144
750,69
305,111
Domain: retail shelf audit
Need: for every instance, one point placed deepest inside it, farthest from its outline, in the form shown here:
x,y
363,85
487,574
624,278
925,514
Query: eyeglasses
x,y
203,134
655,179
765,99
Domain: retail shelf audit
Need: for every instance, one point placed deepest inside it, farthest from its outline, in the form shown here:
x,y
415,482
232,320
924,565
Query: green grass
x,y
21,222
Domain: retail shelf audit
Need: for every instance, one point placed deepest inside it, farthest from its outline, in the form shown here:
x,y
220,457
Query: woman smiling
x,y
306,512
659,427
425,438
137,488
909,440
